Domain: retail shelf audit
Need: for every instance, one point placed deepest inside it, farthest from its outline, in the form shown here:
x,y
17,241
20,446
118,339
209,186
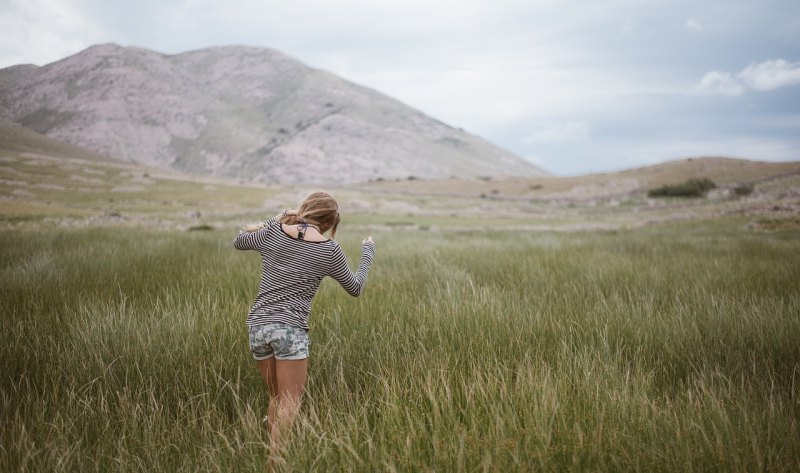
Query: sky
x,y
573,86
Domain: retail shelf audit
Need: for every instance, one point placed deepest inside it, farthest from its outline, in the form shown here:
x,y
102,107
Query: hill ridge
x,y
240,111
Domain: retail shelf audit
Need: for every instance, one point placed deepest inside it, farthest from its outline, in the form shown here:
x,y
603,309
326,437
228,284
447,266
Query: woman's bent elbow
x,y
356,292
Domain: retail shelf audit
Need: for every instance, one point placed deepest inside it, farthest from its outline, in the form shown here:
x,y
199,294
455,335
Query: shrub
x,y
690,188
743,189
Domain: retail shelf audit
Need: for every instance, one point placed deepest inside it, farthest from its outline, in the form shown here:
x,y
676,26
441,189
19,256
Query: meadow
x,y
663,348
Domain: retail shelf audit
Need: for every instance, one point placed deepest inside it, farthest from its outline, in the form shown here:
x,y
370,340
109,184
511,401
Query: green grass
x,y
661,349
694,187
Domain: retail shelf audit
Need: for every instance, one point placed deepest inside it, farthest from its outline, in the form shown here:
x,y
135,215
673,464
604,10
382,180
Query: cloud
x,y
560,132
41,31
768,75
771,75
717,82
692,24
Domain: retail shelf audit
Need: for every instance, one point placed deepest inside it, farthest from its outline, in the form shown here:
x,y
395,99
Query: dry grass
x,y
484,342
40,189
665,349
724,171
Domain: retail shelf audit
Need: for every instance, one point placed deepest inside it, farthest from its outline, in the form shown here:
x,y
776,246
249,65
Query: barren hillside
x,y
249,113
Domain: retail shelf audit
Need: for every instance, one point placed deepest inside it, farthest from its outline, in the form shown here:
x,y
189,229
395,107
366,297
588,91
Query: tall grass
x,y
654,350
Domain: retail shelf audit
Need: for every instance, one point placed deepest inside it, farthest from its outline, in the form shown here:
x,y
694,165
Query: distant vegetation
x,y
201,227
743,189
690,188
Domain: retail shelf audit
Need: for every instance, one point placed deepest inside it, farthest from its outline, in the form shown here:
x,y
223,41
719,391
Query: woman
x,y
296,256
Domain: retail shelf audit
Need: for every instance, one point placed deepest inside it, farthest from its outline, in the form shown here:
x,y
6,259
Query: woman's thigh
x,y
291,377
268,374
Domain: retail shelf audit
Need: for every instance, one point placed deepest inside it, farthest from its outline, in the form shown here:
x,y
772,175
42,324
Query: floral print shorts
x,y
282,341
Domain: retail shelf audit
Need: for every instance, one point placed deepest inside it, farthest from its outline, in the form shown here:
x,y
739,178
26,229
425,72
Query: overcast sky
x,y
573,86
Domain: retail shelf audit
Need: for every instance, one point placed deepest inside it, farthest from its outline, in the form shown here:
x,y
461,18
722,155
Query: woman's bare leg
x,y
291,382
268,374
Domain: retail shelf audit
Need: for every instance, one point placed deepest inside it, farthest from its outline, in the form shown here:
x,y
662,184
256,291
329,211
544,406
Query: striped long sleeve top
x,y
293,270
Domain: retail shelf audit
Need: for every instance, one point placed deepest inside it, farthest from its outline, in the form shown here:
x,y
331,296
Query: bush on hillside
x,y
743,189
690,188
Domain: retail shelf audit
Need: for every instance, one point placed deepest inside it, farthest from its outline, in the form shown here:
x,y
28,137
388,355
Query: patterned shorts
x,y
282,341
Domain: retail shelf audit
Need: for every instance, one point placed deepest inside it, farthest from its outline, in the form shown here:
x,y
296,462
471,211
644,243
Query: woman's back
x,y
293,270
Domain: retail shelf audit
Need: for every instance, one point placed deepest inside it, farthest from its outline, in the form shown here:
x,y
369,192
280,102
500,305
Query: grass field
x,y
665,348
545,324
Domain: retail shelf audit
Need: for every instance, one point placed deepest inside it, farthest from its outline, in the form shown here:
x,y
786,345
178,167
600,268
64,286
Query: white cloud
x,y
717,82
692,24
41,31
560,132
768,75
771,75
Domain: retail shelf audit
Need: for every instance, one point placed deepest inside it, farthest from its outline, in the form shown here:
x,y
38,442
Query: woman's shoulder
x,y
333,244
329,243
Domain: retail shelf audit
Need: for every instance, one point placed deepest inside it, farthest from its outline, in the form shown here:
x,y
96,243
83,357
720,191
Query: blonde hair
x,y
318,208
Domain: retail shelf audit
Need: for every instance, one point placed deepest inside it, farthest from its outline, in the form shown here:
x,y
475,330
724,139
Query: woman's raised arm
x,y
352,283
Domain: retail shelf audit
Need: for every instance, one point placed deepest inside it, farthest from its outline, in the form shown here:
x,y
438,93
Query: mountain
x,y
243,112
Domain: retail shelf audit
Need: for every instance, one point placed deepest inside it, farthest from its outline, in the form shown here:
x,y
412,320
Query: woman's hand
x,y
368,241
285,213
252,227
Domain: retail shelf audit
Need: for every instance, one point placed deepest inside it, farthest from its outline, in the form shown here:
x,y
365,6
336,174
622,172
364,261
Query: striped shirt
x,y
293,270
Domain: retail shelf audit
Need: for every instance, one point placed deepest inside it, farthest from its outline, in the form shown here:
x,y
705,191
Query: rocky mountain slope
x,y
250,113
